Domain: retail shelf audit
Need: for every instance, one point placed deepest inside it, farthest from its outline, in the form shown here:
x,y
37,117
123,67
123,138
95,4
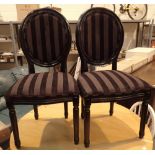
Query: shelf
x,y
6,41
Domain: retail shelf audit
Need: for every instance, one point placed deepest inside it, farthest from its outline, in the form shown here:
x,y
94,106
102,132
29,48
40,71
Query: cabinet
x,y
8,43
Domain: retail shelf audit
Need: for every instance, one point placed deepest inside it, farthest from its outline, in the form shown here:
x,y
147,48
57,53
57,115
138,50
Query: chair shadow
x,y
106,132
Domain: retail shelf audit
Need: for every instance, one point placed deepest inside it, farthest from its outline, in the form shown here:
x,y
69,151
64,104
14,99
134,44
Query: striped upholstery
x,y
42,85
109,83
45,36
99,35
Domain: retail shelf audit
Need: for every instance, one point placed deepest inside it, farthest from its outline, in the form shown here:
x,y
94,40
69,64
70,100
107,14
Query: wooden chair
x,y
99,38
45,40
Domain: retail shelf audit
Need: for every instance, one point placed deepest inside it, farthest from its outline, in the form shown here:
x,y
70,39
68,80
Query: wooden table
x,y
52,131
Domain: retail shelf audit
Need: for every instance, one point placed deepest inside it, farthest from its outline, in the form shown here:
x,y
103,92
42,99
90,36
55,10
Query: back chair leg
x,y
76,119
36,115
13,119
111,108
87,104
66,109
82,109
143,116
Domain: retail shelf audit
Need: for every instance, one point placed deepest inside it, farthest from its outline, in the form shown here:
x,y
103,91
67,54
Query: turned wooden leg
x,y
111,108
36,115
87,103
66,109
76,119
82,109
13,119
144,110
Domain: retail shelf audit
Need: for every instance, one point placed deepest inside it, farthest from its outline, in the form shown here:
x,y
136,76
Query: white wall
x,y
73,11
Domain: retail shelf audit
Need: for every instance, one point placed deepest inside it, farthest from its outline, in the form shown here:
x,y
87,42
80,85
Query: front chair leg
x,y
66,109
87,104
13,119
36,115
143,117
76,119
111,108
82,109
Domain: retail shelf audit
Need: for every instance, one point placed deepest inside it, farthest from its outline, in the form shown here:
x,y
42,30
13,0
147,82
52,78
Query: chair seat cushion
x,y
109,83
44,85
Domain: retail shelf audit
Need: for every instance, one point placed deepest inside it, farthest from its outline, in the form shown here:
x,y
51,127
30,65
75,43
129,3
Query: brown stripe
x,y
47,37
65,84
29,38
43,85
38,84
49,84
38,37
102,83
27,83
106,37
71,84
85,85
95,82
118,81
125,80
54,84
60,83
116,86
97,36
137,82
15,87
31,90
56,36
106,81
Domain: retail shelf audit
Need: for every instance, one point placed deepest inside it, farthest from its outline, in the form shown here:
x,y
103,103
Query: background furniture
x,y
47,48
110,85
136,108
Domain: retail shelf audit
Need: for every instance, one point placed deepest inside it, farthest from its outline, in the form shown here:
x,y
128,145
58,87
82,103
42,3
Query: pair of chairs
x,y
46,40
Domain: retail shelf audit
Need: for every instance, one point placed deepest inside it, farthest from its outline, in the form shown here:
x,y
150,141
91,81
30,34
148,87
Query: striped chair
x,y
99,38
45,40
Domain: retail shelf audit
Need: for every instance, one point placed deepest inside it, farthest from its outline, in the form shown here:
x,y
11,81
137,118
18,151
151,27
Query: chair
x,y
99,38
45,40
136,108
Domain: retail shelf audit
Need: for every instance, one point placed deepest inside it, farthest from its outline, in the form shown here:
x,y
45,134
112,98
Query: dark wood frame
x,y
86,101
24,101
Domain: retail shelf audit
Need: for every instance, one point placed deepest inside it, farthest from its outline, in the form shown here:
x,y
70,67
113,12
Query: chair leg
x,y
87,104
82,109
13,119
36,115
111,108
66,109
76,119
143,117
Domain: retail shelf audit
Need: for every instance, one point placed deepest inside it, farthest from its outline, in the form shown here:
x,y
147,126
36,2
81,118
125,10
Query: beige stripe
x,y
38,84
106,81
60,83
27,84
119,83
95,82
15,87
49,82
85,85
131,85
71,83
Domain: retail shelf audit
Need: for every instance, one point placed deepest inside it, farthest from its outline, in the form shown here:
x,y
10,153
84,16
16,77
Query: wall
x,y
72,12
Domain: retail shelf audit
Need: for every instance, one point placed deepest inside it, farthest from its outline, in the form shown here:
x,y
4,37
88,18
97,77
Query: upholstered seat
x,y
110,83
43,85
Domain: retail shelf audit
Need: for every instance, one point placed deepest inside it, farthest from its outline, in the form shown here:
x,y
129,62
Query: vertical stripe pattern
x,y
100,35
46,36
110,82
55,84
